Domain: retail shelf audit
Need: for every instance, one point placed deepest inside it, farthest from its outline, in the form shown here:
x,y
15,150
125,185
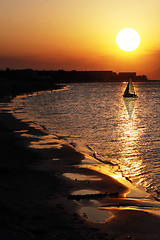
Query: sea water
x,y
97,119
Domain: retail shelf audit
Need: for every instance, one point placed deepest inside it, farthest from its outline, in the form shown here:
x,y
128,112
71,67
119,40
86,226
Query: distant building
x,y
102,76
125,76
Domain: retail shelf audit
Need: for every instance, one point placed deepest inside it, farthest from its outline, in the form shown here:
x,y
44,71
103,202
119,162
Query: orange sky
x,y
81,35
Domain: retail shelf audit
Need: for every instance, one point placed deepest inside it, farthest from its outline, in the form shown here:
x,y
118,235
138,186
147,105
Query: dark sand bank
x,y
35,196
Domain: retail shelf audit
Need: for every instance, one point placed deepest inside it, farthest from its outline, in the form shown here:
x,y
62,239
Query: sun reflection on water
x,y
131,159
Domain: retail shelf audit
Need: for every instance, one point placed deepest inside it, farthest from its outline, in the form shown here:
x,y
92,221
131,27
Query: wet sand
x,y
38,201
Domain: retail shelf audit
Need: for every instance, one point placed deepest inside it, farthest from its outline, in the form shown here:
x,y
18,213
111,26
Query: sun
x,y
128,39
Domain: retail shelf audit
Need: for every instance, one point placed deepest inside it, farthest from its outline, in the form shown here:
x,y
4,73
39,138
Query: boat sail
x,y
129,92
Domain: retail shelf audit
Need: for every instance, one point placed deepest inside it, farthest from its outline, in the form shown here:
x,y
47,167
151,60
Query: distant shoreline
x,y
15,82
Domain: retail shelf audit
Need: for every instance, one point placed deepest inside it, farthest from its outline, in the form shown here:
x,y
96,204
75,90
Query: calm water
x,y
95,117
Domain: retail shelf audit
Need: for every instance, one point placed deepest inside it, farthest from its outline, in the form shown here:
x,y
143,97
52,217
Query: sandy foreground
x,y
40,198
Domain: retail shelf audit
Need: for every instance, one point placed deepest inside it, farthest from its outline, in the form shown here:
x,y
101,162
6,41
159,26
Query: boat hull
x,y
130,95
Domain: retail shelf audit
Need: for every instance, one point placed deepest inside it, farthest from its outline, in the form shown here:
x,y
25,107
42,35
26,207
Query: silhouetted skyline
x,y
13,82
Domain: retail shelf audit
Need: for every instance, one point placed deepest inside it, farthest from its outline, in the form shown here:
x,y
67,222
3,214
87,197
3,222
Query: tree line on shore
x,y
13,82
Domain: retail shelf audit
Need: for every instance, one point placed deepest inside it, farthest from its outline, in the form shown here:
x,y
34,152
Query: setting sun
x,y
128,39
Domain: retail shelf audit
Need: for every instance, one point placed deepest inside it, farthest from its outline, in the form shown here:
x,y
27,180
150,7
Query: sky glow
x,y
80,35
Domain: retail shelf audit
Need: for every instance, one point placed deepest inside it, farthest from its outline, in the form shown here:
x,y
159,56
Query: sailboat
x,y
129,91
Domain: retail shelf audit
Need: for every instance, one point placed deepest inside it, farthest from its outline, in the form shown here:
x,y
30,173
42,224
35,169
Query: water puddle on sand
x,y
85,192
46,142
81,177
56,159
41,142
92,212
21,131
89,208
36,145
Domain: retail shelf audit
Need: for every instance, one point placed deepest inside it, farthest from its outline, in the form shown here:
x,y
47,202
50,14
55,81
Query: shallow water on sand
x,y
94,117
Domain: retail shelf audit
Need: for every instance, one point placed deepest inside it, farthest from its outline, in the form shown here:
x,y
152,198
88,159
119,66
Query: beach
x,y
38,201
